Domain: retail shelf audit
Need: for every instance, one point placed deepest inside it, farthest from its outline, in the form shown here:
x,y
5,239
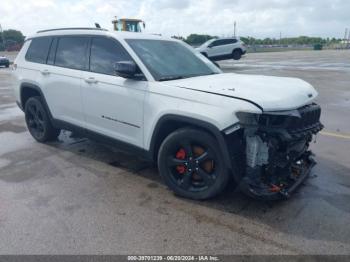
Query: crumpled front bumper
x,y
275,148
299,173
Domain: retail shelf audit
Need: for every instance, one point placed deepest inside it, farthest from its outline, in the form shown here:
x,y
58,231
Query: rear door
x,y
113,105
231,44
61,78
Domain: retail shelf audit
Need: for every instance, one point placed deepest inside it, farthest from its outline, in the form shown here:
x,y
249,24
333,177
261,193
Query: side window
x,y
215,43
231,41
71,52
38,50
219,42
104,53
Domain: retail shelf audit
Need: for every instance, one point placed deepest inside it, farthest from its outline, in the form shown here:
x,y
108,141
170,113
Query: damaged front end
x,y
275,147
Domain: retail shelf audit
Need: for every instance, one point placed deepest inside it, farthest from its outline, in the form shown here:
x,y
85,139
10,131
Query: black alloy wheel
x,y
192,165
38,122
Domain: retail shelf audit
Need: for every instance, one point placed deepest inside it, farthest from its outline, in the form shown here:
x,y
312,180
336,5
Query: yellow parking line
x,y
335,135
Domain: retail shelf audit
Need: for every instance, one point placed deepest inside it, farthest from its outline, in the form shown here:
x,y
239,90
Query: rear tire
x,y
38,121
192,165
236,54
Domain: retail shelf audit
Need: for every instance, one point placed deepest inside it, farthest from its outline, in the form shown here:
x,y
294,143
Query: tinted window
x,y
230,41
38,50
224,42
71,52
104,53
219,42
52,52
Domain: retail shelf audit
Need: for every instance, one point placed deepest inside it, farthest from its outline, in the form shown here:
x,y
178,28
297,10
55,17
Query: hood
x,y
268,92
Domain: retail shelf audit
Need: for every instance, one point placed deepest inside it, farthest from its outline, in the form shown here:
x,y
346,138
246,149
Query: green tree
x,y
178,37
195,39
12,36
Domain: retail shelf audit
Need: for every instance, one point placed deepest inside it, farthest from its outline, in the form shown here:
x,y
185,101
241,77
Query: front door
x,y
113,106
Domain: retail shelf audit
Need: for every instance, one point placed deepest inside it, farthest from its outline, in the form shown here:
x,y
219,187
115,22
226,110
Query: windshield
x,y
133,26
169,60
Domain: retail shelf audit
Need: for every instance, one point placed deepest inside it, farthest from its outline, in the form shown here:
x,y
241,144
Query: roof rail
x,y
72,28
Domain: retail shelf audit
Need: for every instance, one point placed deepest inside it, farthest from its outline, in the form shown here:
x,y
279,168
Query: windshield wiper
x,y
168,78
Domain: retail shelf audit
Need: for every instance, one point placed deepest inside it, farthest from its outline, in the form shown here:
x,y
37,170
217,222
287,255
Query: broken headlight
x,y
247,118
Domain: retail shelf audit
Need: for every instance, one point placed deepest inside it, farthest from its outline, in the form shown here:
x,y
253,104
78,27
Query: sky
x,y
256,18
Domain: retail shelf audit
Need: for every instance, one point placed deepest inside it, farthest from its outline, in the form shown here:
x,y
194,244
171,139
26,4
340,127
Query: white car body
x,y
134,101
223,48
129,110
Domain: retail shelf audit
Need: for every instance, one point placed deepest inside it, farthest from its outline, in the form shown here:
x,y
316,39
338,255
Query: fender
x,y
38,89
193,122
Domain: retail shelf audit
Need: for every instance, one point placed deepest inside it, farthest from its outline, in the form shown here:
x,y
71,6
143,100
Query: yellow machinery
x,y
128,24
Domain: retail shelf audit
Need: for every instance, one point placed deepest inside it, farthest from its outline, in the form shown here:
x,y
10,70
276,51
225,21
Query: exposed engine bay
x,y
276,151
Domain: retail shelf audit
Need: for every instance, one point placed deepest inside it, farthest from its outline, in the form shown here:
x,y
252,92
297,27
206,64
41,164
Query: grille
x,y
310,119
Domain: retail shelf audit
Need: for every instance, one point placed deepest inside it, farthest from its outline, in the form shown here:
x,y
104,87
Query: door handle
x,y
91,80
45,72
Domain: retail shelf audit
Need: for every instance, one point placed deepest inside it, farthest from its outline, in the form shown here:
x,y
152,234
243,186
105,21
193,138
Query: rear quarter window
x,y
38,50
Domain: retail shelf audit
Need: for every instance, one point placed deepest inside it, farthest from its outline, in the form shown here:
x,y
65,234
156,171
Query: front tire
x,y
192,165
236,54
38,121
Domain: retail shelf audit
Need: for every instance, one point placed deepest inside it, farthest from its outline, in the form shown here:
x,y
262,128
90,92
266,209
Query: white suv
x,y
223,48
160,99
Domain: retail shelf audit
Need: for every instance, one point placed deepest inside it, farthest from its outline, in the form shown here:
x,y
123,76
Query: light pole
x,y
235,28
280,39
345,38
2,36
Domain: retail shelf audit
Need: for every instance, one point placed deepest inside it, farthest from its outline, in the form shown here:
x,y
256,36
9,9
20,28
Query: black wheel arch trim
x,y
38,89
196,123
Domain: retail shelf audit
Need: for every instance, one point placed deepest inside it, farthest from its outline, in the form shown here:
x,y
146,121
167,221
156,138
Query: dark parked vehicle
x,y
4,61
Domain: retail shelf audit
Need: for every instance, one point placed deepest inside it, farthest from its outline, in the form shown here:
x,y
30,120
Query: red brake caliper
x,y
181,154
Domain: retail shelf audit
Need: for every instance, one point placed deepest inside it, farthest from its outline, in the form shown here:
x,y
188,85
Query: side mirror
x,y
210,46
126,69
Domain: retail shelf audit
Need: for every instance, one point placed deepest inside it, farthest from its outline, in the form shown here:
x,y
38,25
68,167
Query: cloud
x,y
256,18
